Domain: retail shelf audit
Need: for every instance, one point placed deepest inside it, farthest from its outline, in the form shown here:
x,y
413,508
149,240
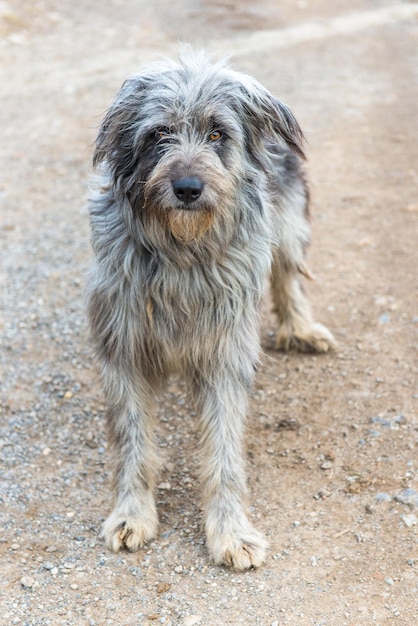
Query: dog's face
x,y
180,140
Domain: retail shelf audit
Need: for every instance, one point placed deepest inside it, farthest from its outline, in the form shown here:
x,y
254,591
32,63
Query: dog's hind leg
x,y
134,519
231,538
297,328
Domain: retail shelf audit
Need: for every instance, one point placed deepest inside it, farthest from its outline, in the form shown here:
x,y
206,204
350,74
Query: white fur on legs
x,y
234,542
297,328
231,539
134,520
305,337
130,530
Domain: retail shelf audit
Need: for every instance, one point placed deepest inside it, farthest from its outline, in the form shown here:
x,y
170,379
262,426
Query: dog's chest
x,y
183,305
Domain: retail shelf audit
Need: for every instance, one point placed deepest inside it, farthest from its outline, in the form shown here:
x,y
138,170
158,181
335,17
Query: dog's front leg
x,y
231,538
134,519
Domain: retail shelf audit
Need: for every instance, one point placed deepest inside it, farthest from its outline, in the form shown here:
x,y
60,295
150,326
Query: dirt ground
x,y
331,442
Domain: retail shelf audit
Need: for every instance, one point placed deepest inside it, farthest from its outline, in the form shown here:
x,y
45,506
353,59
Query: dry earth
x,y
332,441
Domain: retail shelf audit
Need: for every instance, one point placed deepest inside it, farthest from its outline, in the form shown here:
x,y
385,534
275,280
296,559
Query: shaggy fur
x,y
200,193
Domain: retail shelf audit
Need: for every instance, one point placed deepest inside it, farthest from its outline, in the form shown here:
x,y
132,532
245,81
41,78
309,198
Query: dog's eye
x,y
215,135
163,133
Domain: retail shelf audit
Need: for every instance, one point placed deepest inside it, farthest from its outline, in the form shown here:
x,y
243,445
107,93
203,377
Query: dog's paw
x,y
238,550
315,339
125,531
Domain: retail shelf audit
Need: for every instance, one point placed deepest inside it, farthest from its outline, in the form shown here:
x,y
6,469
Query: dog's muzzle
x,y
187,190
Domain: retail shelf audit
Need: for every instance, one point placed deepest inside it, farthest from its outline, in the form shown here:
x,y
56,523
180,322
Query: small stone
x,y
389,581
51,549
164,486
288,424
163,587
27,582
380,421
74,586
178,569
191,620
384,318
407,496
326,466
48,566
15,546
322,494
275,623
46,451
68,395
409,520
383,497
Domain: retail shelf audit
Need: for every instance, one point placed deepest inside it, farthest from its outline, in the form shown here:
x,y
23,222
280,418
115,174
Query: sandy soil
x,y
332,441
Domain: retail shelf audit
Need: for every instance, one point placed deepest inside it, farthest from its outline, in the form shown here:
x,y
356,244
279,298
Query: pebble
x,y
27,582
322,494
178,569
380,421
191,620
383,497
407,496
48,566
384,318
163,588
409,520
326,466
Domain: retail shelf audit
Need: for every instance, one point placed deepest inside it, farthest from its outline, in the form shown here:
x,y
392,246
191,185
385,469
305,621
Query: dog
x,y
200,195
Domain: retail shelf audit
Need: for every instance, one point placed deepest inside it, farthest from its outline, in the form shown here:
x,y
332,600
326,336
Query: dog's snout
x,y
188,189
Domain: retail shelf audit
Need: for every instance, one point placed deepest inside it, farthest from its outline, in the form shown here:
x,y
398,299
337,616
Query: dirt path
x,y
332,441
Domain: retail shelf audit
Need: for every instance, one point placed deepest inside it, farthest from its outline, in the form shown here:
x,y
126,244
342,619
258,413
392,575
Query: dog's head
x,y
181,141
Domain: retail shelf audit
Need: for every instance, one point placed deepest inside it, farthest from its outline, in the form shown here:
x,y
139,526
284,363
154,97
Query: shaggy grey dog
x,y
200,197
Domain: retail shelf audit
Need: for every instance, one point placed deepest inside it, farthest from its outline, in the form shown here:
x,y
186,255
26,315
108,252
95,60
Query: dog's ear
x,y
269,118
114,143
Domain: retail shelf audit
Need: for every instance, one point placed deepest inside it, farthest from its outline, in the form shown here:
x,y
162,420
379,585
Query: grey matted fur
x,y
200,194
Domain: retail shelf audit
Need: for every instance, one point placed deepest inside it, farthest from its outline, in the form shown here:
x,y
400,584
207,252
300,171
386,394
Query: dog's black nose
x,y
188,189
